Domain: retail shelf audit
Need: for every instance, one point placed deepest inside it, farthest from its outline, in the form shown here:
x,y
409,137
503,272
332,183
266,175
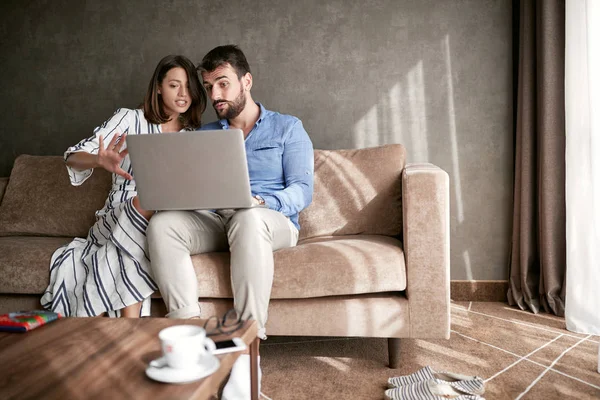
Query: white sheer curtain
x,y
582,111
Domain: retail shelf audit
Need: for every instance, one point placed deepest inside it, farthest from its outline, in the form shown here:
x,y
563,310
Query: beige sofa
x,y
372,260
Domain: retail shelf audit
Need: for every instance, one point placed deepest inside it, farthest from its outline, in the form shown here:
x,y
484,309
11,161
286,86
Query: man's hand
x,y
258,201
110,157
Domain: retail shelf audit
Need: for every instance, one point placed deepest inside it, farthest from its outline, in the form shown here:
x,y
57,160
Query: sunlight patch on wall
x,y
452,128
468,269
394,131
418,113
366,130
401,111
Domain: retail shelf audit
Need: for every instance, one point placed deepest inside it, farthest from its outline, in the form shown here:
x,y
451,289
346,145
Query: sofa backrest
x,y
356,192
40,201
3,184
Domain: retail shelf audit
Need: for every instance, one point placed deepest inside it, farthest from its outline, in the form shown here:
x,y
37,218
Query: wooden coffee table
x,y
86,358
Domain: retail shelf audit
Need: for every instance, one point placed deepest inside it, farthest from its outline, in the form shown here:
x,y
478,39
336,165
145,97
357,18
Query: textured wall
x,y
433,75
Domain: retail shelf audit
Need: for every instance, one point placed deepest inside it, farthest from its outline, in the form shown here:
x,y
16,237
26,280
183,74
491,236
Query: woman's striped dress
x,y
109,269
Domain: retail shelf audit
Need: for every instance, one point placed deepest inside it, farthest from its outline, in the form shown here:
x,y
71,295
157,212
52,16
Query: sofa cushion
x,y
25,263
39,199
328,266
355,192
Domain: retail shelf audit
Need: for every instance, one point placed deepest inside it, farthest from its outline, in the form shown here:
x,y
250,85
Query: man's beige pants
x,y
251,235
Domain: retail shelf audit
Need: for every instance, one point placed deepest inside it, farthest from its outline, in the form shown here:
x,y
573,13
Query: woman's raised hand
x,y
110,157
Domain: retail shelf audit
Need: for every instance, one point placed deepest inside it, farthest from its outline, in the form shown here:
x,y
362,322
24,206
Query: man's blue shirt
x,y
280,161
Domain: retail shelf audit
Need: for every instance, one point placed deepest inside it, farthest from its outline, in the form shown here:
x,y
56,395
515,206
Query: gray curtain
x,y
537,262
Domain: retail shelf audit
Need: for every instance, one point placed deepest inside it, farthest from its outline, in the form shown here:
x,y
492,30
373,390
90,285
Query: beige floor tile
x,y
549,353
464,305
356,368
342,369
459,354
374,349
541,320
509,383
581,362
579,358
516,338
556,386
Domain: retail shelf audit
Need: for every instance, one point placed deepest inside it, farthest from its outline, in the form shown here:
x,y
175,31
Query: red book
x,y
24,321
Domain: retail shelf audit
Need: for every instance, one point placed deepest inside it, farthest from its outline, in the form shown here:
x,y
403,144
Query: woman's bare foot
x,y
132,311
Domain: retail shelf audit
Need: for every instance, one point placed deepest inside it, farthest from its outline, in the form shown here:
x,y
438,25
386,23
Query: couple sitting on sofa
x,y
130,252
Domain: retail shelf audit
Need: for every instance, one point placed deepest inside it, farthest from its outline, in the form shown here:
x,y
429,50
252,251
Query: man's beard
x,y
235,107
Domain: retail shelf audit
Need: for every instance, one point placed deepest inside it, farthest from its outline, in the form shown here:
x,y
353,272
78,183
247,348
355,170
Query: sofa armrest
x,y
426,237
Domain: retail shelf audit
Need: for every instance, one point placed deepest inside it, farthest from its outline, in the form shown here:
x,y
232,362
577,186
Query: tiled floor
x,y
520,355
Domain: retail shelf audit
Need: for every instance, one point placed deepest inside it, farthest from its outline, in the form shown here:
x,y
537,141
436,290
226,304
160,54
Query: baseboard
x,y
478,290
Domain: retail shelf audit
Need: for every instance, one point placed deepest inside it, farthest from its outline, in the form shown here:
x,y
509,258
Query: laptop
x,y
191,170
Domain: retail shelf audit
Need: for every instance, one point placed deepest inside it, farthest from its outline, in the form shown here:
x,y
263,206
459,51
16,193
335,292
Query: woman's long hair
x,y
153,105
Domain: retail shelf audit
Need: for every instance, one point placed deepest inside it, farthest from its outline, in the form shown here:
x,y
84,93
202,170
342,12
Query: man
x,y
281,165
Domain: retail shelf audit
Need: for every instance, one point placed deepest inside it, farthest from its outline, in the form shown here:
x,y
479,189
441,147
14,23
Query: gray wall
x,y
434,75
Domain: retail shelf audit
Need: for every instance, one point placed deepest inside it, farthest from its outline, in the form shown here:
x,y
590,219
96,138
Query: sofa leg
x,y
394,352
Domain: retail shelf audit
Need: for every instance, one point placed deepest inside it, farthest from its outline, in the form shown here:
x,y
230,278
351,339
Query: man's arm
x,y
298,170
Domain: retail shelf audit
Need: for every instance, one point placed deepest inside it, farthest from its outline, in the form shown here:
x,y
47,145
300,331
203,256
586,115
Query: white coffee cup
x,y
184,346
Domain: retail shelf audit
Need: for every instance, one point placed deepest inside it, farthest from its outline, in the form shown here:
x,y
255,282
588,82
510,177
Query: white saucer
x,y
160,371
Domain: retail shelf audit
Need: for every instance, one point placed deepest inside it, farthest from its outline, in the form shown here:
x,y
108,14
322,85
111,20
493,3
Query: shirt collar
x,y
263,113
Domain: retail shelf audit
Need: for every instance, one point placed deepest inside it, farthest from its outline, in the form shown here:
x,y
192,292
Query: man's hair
x,y
153,105
228,54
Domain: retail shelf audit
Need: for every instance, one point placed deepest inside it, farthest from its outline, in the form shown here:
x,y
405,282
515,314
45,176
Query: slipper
x,y
433,389
468,384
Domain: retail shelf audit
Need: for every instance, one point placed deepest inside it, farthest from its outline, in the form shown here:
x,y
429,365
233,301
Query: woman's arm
x,y
82,161
108,157
82,158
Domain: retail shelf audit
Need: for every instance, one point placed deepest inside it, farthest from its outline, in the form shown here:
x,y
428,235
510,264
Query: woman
x,y
109,271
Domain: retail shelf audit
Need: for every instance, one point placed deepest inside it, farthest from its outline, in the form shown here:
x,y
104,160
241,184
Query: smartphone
x,y
229,346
